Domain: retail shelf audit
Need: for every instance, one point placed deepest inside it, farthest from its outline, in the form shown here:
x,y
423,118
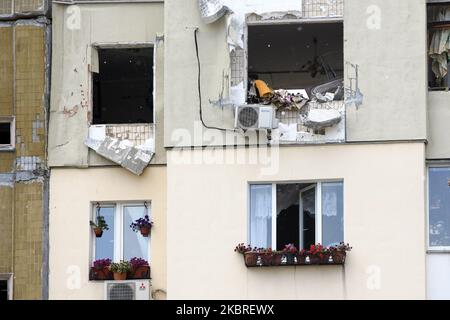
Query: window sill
x,y
257,260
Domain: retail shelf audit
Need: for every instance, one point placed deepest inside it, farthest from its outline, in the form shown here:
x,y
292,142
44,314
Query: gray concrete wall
x,y
75,29
387,39
439,129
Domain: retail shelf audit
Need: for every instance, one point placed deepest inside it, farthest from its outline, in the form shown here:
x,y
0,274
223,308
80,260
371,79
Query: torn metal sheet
x,y
211,10
132,158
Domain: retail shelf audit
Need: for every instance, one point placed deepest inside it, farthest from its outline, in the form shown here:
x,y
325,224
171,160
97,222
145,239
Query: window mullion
x,y
319,237
274,216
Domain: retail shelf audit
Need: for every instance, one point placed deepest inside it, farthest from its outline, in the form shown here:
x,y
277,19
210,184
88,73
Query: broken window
x,y
123,86
120,242
303,214
438,44
7,133
295,57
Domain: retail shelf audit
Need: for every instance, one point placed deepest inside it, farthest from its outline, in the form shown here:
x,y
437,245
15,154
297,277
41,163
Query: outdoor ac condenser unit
x,y
128,290
254,116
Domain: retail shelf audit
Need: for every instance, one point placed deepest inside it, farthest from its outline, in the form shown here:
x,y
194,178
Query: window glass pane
x,y
288,217
439,207
261,216
308,199
104,246
332,213
134,244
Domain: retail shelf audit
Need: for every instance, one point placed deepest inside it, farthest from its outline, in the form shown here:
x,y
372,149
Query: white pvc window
x,y
120,242
297,213
439,208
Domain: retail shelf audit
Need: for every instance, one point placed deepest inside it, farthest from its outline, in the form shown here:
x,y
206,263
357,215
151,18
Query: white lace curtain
x,y
261,216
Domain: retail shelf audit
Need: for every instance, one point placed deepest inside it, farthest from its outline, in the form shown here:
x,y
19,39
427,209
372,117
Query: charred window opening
x,y
438,13
123,87
295,56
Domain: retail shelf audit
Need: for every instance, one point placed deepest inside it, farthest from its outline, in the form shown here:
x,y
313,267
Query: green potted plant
x,y
99,226
120,269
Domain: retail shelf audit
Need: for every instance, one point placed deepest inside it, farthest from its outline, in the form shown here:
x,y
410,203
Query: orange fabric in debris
x,y
263,88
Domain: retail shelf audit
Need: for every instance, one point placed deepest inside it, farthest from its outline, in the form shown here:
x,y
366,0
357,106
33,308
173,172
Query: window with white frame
x,y
120,242
296,213
7,133
439,207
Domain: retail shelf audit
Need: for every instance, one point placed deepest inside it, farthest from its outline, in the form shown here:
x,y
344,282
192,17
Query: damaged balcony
x,y
286,67
298,69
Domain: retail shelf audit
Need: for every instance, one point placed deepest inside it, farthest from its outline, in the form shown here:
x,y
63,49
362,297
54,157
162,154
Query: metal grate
x,y
121,291
323,8
237,66
138,134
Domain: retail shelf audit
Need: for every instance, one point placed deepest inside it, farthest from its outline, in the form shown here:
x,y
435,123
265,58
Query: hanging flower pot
x,y
98,232
99,225
145,231
143,225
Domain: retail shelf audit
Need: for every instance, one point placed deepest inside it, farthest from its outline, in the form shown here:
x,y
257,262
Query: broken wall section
x,y
100,26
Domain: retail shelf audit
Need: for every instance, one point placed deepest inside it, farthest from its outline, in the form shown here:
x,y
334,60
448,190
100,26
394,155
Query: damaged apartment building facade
x,y
262,122
25,36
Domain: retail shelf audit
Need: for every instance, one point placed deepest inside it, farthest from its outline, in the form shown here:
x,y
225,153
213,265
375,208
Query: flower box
x,y
290,256
253,259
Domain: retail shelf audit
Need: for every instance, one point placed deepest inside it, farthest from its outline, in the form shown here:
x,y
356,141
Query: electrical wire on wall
x,y
200,90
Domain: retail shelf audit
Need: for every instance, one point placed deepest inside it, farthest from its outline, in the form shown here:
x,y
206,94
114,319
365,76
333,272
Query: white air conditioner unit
x,y
255,116
128,290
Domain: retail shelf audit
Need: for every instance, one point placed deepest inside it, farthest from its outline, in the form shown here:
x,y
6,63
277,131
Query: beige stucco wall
x,y
384,200
72,191
75,29
439,129
388,40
